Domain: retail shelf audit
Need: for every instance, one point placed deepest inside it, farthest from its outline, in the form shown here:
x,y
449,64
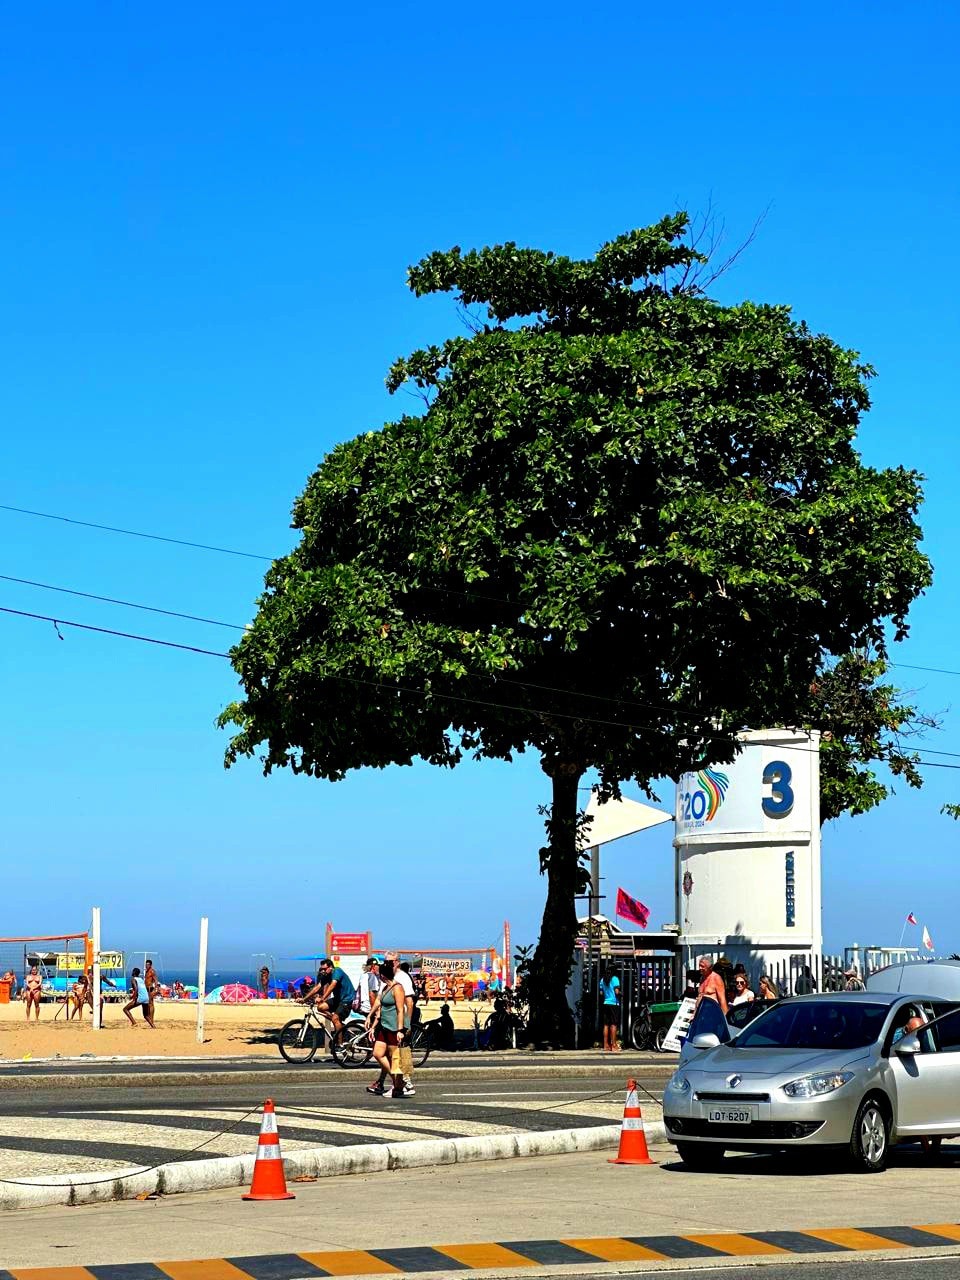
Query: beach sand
x,y
245,1030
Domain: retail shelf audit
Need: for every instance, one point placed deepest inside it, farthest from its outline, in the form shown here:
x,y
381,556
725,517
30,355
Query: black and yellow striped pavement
x,y
514,1253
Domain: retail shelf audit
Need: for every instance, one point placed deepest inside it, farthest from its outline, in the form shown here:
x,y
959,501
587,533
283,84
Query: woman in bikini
x,y
33,988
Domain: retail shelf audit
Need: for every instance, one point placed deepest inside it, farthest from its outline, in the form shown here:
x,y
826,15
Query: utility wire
x,y
249,555
109,631
127,604
135,533
417,693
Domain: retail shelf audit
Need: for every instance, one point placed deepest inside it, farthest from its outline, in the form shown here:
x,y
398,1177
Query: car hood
x,y
770,1064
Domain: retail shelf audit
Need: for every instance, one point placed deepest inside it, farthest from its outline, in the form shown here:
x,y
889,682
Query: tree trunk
x,y
551,1021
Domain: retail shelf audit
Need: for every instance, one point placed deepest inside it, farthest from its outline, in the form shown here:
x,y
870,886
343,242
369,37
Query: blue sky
x,y
208,215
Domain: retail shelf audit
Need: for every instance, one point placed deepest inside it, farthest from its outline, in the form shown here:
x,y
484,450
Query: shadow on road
x,y
812,1163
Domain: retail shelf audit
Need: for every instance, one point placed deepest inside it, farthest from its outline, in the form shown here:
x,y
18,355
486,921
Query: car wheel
x,y
870,1140
700,1155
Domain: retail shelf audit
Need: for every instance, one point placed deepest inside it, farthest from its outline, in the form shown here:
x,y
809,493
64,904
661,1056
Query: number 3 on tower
x,y
777,776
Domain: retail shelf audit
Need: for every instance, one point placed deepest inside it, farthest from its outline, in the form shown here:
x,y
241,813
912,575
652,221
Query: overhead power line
x,y
391,688
135,533
109,631
127,604
249,555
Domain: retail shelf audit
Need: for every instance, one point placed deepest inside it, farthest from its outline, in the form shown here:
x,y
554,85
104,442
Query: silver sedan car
x,y
858,1071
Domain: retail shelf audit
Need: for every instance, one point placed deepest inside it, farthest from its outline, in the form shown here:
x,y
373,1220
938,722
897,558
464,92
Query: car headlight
x,y
678,1084
814,1086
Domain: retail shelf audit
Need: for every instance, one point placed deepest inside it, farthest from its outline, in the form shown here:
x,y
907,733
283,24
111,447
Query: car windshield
x,y
815,1024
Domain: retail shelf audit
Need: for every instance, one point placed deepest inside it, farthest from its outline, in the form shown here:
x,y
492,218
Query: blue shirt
x,y
345,988
610,987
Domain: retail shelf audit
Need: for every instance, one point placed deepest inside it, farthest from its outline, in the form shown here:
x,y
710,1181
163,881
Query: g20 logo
x,y
702,803
777,777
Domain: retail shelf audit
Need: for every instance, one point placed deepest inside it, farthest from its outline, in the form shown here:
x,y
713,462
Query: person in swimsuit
x,y
33,988
78,997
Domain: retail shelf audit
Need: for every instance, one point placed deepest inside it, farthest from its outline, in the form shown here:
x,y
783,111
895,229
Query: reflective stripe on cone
x,y
633,1140
269,1182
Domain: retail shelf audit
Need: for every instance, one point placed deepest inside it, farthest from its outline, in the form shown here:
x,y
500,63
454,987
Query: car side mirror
x,y
707,1040
908,1046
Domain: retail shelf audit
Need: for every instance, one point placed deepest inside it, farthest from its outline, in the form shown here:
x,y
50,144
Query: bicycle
x,y
353,1047
642,1033
300,1038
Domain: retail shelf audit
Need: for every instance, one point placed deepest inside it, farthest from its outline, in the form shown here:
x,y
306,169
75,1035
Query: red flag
x,y
632,909
912,919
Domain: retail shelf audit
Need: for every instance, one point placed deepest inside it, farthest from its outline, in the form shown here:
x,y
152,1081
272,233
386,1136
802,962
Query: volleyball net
x,y
60,958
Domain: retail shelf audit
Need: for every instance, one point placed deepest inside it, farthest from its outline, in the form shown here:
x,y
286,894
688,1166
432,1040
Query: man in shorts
x,y
334,992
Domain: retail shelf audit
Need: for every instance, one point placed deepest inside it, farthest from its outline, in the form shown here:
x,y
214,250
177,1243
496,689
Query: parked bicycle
x,y
643,1034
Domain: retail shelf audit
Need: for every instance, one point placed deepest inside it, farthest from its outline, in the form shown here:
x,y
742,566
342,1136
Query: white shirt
x,y
744,997
369,986
404,981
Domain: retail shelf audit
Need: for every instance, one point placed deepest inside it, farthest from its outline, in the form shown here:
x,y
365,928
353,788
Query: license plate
x,y
730,1115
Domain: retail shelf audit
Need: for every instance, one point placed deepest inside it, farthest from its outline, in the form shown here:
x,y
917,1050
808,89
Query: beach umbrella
x,y
238,993
213,997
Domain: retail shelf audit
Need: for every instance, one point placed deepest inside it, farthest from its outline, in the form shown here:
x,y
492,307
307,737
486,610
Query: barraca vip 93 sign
x,y
755,792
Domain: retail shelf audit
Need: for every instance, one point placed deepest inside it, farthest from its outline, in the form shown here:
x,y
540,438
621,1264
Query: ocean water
x,y
239,973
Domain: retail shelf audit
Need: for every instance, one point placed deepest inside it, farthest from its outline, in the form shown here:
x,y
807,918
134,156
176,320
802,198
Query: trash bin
x,y
4,992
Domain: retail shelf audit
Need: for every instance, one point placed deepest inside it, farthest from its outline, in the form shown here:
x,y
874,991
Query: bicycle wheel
x,y
352,1048
641,1033
659,1038
421,1046
298,1041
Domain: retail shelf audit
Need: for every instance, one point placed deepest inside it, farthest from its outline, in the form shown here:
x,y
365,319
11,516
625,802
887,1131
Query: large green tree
x,y
629,521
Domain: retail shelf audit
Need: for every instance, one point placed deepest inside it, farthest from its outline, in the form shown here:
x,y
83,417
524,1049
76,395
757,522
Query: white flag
x,y
927,940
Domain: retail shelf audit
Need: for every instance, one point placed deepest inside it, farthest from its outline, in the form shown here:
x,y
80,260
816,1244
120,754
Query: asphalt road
x,y
624,1063
61,1130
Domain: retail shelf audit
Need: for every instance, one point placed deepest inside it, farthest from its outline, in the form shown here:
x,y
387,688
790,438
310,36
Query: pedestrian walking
x,y
139,997
369,984
404,980
33,989
387,1021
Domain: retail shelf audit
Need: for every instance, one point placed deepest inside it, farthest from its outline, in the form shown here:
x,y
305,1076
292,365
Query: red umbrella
x,y
238,993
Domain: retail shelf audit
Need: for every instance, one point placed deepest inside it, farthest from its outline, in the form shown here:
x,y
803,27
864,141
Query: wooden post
x,y
201,978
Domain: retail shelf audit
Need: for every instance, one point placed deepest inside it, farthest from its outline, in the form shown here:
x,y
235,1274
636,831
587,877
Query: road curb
x,y
318,1162
304,1075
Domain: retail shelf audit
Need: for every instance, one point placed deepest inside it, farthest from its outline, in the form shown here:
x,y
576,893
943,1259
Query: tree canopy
x,y
629,522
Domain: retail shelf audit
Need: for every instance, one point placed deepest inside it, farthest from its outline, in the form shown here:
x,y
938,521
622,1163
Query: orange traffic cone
x,y
269,1182
633,1141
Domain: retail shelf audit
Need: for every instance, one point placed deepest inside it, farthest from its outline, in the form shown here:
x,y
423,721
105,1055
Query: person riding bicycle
x,y
333,992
